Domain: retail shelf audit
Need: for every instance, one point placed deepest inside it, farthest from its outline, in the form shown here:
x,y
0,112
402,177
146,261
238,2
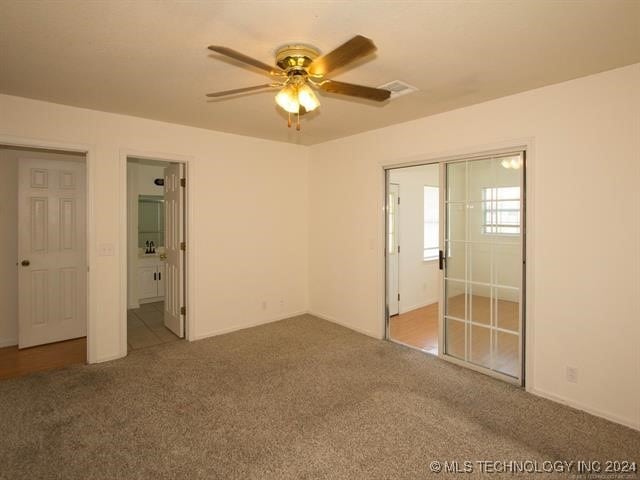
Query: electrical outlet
x,y
572,375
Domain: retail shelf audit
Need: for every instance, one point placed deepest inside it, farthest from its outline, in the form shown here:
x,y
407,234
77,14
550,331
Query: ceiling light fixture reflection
x,y
512,163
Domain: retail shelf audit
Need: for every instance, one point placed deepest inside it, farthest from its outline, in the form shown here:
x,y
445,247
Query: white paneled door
x,y
52,266
174,240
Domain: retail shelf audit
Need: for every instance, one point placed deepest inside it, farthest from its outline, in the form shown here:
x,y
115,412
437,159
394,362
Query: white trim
x,y
346,325
235,328
529,203
108,358
190,254
479,151
419,305
89,151
8,342
142,301
579,406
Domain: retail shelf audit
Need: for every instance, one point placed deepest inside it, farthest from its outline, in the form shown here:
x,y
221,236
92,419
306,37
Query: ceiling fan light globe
x,y
307,98
287,99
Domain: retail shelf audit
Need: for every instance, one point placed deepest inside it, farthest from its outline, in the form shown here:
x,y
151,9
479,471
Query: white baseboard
x,y
593,411
235,328
8,342
107,358
415,307
150,300
346,325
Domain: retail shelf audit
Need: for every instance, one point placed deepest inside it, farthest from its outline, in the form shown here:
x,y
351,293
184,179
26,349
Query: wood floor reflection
x,y
419,328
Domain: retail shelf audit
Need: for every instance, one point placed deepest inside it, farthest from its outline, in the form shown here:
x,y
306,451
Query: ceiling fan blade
x,y
370,93
224,93
355,48
246,59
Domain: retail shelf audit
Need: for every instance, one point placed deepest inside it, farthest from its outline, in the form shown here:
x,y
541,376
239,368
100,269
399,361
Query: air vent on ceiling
x,y
398,88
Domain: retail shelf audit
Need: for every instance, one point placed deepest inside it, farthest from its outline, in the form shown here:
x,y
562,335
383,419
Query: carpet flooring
x,y
297,399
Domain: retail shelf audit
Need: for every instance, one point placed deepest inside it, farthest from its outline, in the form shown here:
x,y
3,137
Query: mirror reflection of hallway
x,y
412,256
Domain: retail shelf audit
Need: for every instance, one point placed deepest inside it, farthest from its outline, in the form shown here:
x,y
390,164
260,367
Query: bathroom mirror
x,y
150,220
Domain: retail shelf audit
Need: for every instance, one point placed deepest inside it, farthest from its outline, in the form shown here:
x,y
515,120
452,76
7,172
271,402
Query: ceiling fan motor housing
x,y
296,58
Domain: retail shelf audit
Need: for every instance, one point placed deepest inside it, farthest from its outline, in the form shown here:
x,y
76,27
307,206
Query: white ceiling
x,y
149,58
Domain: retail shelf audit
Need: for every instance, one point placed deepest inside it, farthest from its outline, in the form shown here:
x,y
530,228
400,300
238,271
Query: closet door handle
x,y
154,276
441,259
159,275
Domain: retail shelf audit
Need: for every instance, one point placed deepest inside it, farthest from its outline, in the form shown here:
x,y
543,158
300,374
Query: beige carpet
x,y
297,399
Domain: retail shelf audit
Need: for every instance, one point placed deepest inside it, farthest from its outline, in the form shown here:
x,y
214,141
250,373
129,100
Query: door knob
x,y
163,256
25,263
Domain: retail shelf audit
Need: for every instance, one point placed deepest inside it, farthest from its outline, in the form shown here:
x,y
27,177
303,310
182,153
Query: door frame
x,y
397,219
527,146
89,153
190,253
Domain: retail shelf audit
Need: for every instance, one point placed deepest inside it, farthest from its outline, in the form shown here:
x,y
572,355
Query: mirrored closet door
x,y
483,263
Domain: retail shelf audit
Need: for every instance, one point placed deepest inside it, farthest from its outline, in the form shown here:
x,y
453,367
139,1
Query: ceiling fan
x,y
300,69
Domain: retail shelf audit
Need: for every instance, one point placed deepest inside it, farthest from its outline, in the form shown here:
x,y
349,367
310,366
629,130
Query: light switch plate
x,y
106,250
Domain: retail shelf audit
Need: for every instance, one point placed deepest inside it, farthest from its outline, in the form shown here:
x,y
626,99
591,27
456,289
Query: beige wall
x,y
8,247
249,200
144,176
584,205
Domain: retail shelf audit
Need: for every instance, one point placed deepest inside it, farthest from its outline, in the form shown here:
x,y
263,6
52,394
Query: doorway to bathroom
x,y
156,246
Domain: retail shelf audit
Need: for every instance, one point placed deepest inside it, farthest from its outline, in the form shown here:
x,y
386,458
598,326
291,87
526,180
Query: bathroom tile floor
x,y
145,326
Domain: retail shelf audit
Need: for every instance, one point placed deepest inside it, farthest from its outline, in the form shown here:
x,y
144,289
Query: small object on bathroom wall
x,y
148,249
153,247
159,181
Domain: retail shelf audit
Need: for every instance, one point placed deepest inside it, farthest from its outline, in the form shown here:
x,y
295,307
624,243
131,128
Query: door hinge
x,y
398,200
398,297
183,182
398,248
183,310
183,246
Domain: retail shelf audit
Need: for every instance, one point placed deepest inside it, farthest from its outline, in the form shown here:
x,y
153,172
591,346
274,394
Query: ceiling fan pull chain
x,y
289,121
298,124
